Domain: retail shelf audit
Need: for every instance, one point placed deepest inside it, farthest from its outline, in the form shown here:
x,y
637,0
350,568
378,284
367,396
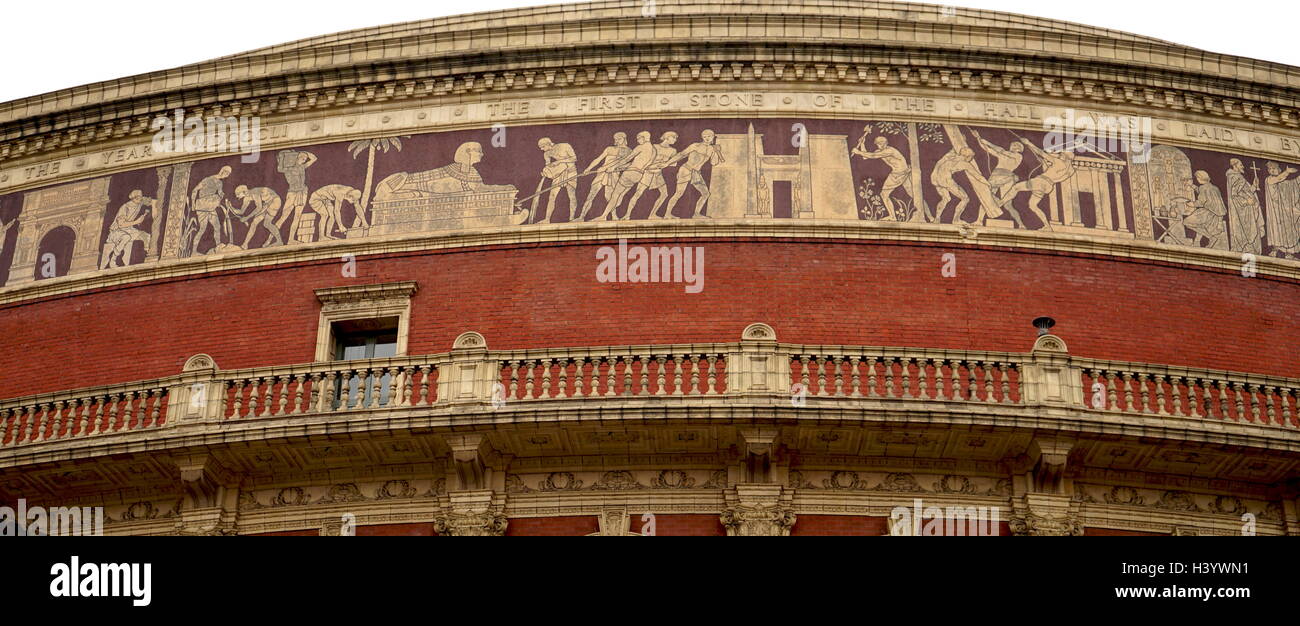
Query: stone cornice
x,y
702,411
609,44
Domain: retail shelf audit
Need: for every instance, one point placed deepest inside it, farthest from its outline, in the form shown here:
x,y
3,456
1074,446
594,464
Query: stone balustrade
x,y
757,369
1209,394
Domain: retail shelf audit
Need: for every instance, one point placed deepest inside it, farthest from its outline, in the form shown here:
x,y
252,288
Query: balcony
x,y
754,379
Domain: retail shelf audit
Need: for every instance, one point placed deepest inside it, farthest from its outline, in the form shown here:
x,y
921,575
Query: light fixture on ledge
x,y
1044,325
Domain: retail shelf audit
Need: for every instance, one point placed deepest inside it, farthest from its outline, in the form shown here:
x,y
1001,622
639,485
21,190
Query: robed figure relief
x,y
1245,220
1282,200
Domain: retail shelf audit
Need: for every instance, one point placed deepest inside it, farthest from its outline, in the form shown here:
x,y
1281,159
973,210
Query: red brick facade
x,y
814,292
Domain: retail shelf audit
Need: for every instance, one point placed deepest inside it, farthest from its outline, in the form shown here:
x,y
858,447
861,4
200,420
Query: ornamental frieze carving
x,y
342,493
471,524
845,481
758,511
672,479
559,481
954,484
395,490
1178,501
758,521
901,483
866,171
619,480
290,496
1034,525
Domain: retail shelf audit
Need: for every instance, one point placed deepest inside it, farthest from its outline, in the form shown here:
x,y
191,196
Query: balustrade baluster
x,y
27,430
155,411
1163,394
282,402
268,401
905,365
55,427
602,369
627,374
695,375
677,375
1207,398
644,363
546,391
426,371
855,376
116,419
299,382
923,378
1143,380
391,373
987,369
580,377
713,375
528,379
889,391
1176,394
377,387
239,399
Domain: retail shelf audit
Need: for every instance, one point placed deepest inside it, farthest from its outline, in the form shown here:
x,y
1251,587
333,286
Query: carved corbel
x,y
472,462
1050,458
758,511
761,458
472,514
209,506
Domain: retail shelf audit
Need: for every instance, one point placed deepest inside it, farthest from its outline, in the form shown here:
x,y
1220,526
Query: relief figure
x,y
608,168
1245,219
1283,202
899,176
123,233
293,164
697,155
561,169
265,204
1058,167
959,160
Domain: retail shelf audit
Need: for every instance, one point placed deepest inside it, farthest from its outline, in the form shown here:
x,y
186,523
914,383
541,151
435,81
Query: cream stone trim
x,y
589,233
1017,109
339,304
1249,88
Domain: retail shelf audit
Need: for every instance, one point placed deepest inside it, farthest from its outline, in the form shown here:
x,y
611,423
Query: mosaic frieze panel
x,y
699,169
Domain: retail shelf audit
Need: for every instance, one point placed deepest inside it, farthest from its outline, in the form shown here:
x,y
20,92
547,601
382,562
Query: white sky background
x,y
57,44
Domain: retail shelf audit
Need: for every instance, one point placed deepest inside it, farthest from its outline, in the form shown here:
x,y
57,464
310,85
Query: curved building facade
x,y
686,268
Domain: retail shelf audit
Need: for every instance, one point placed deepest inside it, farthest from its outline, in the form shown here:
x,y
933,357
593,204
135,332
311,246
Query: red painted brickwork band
x,y
548,296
